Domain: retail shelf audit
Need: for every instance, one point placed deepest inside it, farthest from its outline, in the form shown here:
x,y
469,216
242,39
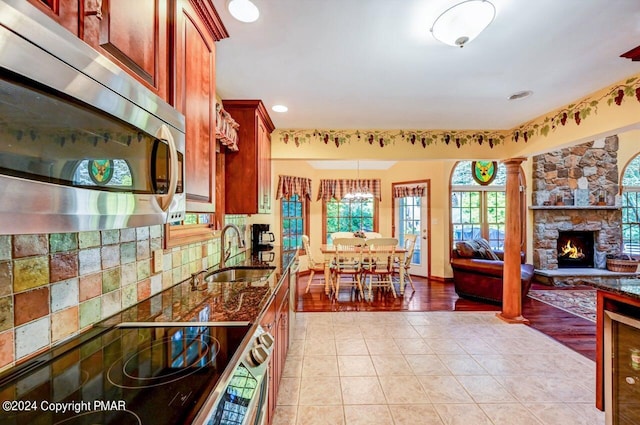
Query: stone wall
x,y
557,173
555,176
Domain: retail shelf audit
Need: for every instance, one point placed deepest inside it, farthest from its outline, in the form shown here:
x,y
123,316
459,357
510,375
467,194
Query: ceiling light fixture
x,y
359,193
243,10
279,108
463,22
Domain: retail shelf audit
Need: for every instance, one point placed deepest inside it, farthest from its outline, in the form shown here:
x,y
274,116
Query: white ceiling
x,y
373,64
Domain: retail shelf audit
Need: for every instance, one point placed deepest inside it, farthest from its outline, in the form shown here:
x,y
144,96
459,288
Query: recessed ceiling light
x,y
243,10
279,108
520,95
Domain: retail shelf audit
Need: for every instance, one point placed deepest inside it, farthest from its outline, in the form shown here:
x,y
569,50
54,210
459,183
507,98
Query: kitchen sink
x,y
238,274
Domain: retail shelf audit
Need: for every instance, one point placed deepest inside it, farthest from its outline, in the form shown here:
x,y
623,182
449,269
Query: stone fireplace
x,y
556,218
575,249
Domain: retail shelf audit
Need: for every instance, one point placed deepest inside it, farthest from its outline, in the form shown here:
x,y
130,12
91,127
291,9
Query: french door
x,y
412,217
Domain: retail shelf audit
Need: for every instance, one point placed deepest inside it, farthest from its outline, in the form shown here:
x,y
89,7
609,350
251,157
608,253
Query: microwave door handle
x,y
165,134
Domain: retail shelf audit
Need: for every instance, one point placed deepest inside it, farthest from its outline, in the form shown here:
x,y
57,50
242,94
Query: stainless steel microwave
x,y
83,145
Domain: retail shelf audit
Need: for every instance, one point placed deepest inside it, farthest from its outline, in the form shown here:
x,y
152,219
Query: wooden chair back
x,y
381,253
348,256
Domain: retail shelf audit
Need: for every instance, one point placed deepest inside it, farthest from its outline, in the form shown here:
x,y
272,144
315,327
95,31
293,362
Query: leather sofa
x,y
481,278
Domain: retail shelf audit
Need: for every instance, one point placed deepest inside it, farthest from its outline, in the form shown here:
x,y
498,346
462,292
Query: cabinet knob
x,y
258,355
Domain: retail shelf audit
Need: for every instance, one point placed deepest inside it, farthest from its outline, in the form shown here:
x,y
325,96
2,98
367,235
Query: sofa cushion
x,y
465,250
476,248
487,250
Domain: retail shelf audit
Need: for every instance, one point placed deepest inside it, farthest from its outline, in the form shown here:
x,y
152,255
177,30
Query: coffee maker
x,y
261,238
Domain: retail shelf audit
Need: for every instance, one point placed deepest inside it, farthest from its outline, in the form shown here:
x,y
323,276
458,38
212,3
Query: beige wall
x,y
629,147
437,172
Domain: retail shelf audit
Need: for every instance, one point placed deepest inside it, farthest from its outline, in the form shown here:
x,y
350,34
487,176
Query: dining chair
x,y
340,235
403,267
372,235
380,253
313,265
347,263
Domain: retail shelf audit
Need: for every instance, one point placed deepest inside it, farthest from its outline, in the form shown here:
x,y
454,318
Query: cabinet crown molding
x,y
210,18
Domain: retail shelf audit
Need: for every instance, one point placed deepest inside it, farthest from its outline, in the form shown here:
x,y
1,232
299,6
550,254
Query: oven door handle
x,y
165,134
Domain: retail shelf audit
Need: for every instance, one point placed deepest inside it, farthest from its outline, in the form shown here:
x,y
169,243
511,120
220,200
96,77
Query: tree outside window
x,y
350,215
631,208
293,213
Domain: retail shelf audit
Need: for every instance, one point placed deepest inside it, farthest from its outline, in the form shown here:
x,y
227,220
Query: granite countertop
x,y
211,301
629,287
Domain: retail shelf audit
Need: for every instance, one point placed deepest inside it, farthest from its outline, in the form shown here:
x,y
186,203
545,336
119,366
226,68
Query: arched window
x,y
631,207
478,202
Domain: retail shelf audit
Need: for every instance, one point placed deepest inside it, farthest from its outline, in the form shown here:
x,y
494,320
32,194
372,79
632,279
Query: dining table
x,y
329,252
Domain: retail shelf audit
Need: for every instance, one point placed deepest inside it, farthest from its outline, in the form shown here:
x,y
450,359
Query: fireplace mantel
x,y
574,207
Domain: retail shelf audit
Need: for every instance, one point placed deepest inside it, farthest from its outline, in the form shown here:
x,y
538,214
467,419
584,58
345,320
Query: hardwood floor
x,y
575,332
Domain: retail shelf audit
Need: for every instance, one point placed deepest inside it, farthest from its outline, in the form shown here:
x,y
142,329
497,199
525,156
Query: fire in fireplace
x,y
576,249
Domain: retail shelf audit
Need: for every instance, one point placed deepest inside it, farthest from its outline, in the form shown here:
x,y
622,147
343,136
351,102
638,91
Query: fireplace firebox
x,y
576,249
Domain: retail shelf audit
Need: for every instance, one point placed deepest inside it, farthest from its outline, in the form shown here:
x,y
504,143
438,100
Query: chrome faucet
x,y
226,253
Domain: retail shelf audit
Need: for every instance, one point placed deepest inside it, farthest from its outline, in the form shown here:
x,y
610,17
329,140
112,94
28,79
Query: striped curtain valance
x,y
407,191
339,188
290,185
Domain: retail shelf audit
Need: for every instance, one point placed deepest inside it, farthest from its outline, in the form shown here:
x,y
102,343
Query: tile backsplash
x,y
53,286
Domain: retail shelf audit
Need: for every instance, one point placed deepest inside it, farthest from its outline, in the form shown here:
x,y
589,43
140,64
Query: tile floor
x,y
431,368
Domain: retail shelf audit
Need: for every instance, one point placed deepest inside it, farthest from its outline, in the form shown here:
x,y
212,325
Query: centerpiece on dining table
x,y
359,234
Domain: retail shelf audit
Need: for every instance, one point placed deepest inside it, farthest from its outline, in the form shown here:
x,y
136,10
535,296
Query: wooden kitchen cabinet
x,y
276,321
64,12
134,35
198,27
248,171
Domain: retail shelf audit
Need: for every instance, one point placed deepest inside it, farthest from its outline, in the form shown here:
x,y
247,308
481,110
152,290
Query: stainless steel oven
x,y
242,397
83,145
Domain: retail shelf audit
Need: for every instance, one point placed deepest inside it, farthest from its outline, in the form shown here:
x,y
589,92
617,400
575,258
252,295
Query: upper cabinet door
x,y
134,35
248,171
64,12
195,97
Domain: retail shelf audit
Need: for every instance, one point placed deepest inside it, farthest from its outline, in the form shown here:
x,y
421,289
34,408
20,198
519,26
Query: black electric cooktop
x,y
132,375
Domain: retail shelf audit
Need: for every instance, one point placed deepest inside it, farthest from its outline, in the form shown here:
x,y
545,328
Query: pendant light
x,y
359,193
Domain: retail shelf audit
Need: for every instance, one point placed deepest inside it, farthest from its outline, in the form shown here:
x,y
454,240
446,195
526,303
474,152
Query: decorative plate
x,y
484,171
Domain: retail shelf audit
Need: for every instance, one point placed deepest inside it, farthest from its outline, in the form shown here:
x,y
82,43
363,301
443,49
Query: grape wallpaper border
x,y
573,113
383,138
577,112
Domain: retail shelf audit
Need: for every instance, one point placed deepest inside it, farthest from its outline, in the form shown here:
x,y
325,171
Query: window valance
x,y
339,188
407,191
291,185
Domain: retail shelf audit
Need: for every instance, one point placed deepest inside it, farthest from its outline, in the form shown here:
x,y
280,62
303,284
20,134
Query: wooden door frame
x,y
427,182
